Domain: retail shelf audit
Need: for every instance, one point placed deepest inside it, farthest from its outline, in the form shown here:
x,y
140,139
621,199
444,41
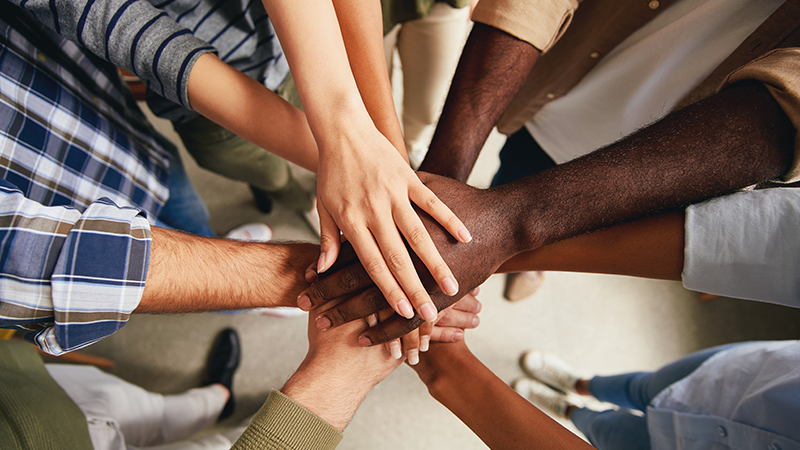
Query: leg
x,y
220,151
612,430
429,49
145,418
636,390
184,210
520,157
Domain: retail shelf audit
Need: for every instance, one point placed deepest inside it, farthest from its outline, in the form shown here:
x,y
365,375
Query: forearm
x,y
252,111
491,409
652,247
190,273
312,41
732,140
492,68
361,25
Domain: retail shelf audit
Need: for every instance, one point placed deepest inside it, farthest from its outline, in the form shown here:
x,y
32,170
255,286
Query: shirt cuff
x,y
284,424
778,71
540,23
745,245
98,278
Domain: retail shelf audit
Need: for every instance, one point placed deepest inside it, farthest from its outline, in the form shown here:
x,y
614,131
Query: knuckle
x,y
398,261
350,279
417,237
374,266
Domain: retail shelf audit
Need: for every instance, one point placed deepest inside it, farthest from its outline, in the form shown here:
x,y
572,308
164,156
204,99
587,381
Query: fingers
x,y
387,260
329,240
455,318
409,223
345,281
359,306
426,200
393,328
411,347
442,334
425,331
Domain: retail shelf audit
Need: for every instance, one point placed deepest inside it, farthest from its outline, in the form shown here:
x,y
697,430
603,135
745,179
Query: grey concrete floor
x,y
600,324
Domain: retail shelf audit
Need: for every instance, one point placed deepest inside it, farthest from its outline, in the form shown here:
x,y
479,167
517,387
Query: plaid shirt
x,y
73,146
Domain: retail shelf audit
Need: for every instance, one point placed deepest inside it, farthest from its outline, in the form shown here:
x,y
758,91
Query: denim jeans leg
x,y
521,156
612,430
636,390
184,210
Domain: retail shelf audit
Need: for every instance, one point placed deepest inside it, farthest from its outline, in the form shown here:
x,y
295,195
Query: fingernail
x,y
424,343
449,286
364,341
476,321
323,323
321,263
304,303
463,235
311,276
458,335
413,357
395,350
372,320
428,312
479,308
405,309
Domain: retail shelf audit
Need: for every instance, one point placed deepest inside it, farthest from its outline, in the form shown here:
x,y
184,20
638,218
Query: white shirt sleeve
x,y
745,245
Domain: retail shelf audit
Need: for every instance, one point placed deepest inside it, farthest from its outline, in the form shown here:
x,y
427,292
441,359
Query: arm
x,y
365,187
190,273
732,140
331,382
491,409
493,67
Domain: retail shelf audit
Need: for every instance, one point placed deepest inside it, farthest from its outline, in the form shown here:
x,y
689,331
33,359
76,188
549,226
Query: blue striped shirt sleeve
x,y
70,278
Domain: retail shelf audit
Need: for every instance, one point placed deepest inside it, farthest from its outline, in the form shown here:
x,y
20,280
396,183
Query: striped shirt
x,y
160,40
80,172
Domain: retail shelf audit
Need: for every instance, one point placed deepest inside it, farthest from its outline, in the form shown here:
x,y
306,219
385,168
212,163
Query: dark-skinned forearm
x,y
492,68
488,406
732,140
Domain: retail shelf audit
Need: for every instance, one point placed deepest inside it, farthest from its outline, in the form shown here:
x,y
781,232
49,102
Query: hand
x,y
337,373
367,193
495,241
450,326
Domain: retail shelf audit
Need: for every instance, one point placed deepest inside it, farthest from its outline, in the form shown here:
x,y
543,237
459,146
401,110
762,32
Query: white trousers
x,y
121,415
428,50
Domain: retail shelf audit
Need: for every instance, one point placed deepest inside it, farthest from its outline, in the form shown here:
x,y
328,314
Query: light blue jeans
x,y
184,210
620,429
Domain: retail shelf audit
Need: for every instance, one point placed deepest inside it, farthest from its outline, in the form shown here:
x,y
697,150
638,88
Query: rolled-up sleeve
x,y
779,70
539,23
70,278
745,245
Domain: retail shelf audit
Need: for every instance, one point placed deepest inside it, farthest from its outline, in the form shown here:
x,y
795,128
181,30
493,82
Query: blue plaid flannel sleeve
x,y
70,278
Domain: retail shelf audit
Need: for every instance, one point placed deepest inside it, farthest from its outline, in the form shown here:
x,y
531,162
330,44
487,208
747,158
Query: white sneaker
x,y
253,232
542,396
549,369
278,311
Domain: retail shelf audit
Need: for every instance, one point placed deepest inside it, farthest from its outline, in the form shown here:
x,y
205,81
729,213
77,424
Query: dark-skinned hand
x,y
484,212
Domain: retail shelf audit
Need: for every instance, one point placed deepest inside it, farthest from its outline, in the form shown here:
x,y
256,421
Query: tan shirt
x,y
574,39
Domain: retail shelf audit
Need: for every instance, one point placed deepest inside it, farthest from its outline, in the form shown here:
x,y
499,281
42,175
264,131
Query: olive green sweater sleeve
x,y
283,424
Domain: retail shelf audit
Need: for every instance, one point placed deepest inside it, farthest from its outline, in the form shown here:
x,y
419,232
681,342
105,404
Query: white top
x,y
645,76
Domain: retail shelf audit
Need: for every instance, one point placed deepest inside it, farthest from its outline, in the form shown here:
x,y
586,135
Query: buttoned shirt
x,y
82,171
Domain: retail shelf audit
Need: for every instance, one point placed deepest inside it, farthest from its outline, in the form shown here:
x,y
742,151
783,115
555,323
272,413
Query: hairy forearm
x,y
650,248
252,111
492,68
732,140
491,409
190,273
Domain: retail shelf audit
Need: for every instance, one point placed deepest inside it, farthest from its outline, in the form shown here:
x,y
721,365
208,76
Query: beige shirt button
x,y
551,96
654,4
40,56
594,55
